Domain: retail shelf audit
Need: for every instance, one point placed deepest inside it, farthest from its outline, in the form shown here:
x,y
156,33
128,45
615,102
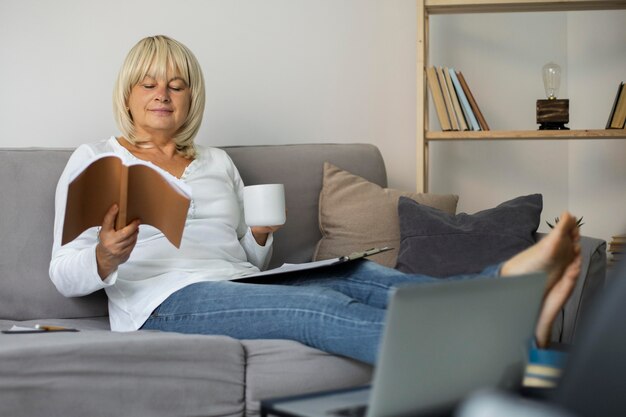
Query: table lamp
x,y
552,113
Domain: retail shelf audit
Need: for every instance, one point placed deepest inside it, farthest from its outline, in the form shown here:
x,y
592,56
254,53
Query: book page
x,y
157,202
90,195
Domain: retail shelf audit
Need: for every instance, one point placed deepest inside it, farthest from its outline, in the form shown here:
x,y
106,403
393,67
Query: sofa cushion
x,y
439,244
28,180
103,373
278,368
299,167
356,215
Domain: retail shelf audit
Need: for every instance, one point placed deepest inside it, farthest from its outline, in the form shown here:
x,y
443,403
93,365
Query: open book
x,y
141,190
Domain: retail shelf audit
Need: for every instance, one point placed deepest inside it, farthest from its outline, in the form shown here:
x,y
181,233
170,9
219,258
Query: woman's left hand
x,y
261,233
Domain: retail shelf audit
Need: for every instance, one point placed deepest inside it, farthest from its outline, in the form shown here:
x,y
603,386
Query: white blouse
x,y
216,243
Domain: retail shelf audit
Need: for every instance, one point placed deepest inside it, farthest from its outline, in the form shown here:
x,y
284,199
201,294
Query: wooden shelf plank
x,y
527,135
500,6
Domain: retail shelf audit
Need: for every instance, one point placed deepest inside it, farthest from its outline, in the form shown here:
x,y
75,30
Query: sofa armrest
x,y
592,278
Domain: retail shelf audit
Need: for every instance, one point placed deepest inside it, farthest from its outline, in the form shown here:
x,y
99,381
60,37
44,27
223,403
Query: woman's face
x,y
159,107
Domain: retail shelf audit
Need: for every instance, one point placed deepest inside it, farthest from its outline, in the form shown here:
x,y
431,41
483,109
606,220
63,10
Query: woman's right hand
x,y
114,246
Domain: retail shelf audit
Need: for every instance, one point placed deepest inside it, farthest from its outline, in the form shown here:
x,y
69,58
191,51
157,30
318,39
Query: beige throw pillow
x,y
355,215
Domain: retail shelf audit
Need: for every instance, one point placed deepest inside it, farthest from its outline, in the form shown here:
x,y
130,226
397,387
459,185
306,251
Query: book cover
x,y
617,248
467,109
437,95
474,105
619,118
544,368
141,190
612,113
447,99
455,100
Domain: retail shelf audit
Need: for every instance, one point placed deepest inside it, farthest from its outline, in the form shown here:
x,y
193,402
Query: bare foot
x,y
554,300
558,255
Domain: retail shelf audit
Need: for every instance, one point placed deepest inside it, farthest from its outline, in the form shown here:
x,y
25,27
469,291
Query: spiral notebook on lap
x,y
441,342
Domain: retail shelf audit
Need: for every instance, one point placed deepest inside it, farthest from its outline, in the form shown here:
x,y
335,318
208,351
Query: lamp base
x,y
553,114
553,126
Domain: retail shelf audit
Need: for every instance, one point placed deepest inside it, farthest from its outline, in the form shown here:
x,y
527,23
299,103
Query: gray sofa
x,y
96,372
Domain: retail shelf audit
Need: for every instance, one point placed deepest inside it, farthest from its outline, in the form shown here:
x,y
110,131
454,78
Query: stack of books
x,y
454,103
616,249
617,117
544,368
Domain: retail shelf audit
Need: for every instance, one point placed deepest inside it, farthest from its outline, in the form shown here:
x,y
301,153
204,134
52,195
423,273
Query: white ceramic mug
x,y
264,204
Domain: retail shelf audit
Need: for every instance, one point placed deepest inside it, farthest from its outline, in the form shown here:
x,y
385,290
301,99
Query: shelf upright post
x,y
422,109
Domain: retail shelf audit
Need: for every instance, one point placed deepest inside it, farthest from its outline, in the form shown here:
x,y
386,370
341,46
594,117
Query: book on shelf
x,y
447,98
617,117
455,105
437,96
612,113
455,100
472,101
467,110
140,189
616,249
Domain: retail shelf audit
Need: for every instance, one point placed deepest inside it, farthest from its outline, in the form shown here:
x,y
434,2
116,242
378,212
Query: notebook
x,y
288,268
441,342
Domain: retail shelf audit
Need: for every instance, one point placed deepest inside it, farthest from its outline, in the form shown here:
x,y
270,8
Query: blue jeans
x,y
338,309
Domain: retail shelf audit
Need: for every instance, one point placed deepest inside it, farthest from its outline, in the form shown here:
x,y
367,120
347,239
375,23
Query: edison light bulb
x,y
551,79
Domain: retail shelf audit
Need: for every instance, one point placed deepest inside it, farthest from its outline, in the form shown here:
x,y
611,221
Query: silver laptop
x,y
441,342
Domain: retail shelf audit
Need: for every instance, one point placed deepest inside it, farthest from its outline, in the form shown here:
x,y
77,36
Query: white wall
x,y
597,169
294,71
502,55
277,71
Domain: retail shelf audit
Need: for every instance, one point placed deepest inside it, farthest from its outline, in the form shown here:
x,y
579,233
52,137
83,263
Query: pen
x,y
358,255
53,328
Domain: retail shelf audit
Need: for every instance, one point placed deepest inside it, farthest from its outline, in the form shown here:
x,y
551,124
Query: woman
x,y
158,103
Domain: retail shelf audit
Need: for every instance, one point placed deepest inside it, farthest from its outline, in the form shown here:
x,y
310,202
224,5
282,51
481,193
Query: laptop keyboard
x,y
354,411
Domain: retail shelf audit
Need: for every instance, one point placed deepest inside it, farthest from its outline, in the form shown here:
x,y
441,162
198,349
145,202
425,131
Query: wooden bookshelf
x,y
527,135
509,6
424,136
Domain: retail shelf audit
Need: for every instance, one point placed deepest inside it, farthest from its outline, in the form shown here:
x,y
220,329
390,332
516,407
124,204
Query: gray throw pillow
x,y
439,244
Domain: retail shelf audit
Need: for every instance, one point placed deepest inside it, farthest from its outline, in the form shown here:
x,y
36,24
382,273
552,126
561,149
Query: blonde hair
x,y
160,53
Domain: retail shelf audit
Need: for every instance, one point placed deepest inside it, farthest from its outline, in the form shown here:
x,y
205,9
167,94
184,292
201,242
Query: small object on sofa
x,y
39,328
